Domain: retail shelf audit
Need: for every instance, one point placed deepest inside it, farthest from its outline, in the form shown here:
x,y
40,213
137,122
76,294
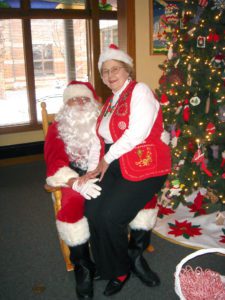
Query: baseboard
x,y
19,150
21,160
21,153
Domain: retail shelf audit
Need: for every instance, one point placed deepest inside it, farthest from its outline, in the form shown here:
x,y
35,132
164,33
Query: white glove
x,y
165,137
89,189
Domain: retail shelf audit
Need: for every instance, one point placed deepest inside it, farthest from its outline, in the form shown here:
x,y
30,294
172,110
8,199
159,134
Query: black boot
x,y
139,241
84,270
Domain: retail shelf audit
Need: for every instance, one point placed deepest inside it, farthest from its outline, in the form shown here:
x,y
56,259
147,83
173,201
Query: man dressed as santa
x,y
72,149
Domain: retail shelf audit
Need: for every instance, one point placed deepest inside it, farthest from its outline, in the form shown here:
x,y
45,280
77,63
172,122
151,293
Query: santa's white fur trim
x,y
145,219
73,234
61,177
77,90
114,54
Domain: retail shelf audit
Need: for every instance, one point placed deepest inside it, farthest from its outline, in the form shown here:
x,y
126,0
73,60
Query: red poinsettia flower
x,y
186,229
222,237
196,207
164,211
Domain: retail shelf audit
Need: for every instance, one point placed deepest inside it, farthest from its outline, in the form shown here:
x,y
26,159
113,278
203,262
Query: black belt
x,y
77,169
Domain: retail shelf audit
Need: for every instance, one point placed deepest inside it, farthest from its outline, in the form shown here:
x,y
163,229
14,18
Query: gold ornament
x,y
210,194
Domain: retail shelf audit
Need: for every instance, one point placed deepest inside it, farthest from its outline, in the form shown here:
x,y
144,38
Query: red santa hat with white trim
x,y
114,53
79,89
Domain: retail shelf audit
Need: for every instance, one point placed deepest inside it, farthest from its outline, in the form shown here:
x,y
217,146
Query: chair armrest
x,y
50,188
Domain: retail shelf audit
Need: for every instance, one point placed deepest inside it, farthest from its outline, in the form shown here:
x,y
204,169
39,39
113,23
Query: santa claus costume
x,y
69,153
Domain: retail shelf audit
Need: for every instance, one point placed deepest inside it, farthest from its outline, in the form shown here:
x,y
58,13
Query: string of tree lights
x,y
192,94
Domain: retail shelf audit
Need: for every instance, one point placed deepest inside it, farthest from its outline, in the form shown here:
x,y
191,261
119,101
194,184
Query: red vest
x,y
150,158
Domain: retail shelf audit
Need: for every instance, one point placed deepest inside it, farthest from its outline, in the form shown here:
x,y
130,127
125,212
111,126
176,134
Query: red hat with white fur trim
x,y
113,52
79,89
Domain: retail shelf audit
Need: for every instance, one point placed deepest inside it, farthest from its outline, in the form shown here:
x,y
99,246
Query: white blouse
x,y
143,112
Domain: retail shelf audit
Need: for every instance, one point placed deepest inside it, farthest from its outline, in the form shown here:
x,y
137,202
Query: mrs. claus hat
x,y
113,52
79,89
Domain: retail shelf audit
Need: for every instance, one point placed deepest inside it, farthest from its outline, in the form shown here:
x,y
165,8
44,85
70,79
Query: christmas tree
x,y
192,94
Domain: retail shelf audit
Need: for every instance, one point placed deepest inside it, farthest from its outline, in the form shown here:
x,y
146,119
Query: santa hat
x,y
113,52
79,89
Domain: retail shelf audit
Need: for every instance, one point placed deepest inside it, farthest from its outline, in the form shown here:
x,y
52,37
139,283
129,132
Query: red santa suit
x,y
66,146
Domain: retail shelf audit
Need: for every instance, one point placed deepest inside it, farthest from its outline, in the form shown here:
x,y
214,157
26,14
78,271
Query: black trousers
x,y
109,215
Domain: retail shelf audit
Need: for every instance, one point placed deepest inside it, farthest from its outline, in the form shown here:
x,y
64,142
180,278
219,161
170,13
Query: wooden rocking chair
x,y
47,119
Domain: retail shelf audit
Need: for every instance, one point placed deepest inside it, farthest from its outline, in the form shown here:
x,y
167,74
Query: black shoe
x,y
84,282
114,286
96,276
141,269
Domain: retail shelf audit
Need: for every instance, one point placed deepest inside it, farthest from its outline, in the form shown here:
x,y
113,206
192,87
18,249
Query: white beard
x,y
77,128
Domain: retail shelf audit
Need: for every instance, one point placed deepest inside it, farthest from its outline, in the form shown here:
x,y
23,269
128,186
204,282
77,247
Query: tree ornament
x,y
186,111
198,14
171,13
222,113
164,99
220,218
199,159
179,165
207,105
223,159
189,78
191,146
215,151
191,31
213,37
210,128
175,137
195,100
170,52
175,190
218,61
179,108
201,41
176,63
219,4
211,195
172,92
162,79
203,3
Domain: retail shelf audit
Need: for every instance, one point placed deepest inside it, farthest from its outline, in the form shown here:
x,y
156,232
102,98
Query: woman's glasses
x,y
113,71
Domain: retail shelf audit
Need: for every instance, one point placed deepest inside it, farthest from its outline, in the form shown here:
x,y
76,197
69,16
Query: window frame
x,y
92,14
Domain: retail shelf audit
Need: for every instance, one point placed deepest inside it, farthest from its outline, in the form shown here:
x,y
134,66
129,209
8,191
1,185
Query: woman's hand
x,y
102,168
83,179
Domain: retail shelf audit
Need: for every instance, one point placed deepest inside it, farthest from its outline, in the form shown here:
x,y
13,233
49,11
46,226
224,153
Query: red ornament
x,y
213,37
203,3
164,100
172,92
162,79
210,128
191,146
186,111
223,159
199,159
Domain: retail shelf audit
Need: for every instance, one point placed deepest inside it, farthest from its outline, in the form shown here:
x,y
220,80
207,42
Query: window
x,y
42,48
43,59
